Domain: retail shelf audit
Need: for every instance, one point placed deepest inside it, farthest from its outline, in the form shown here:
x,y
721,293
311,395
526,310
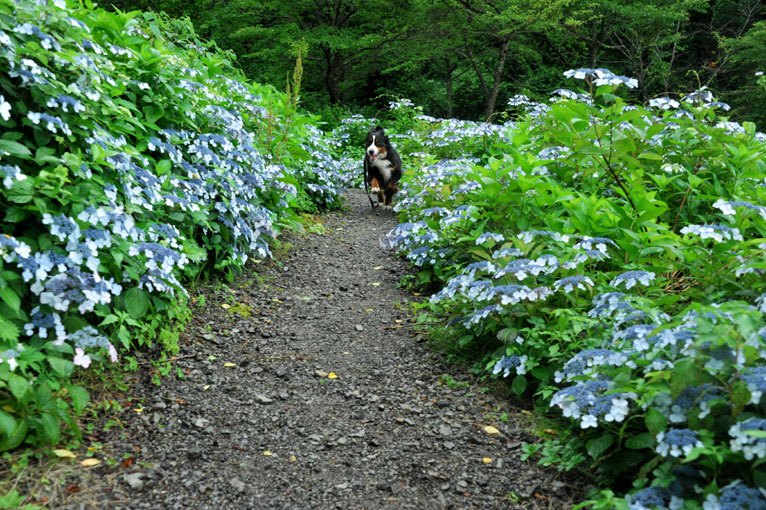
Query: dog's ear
x,y
378,128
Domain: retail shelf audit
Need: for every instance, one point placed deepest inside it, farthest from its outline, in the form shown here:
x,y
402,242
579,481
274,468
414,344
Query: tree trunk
x,y
491,99
450,70
331,74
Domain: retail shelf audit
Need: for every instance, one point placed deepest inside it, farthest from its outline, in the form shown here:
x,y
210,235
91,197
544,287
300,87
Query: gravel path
x,y
323,398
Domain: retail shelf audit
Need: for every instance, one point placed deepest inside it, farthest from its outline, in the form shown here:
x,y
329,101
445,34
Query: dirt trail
x,y
322,398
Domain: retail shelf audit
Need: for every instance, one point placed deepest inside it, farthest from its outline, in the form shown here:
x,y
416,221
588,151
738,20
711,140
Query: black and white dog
x,y
383,166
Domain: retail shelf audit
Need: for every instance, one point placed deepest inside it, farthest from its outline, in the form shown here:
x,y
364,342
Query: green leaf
x,y
7,423
655,421
519,384
15,149
80,397
599,445
62,367
11,298
15,438
8,330
137,302
15,214
507,335
51,427
740,395
19,387
21,192
645,440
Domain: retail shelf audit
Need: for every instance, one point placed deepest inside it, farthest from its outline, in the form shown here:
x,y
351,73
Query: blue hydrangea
x,y
677,442
508,363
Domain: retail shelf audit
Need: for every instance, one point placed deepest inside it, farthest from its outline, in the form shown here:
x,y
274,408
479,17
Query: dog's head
x,y
376,145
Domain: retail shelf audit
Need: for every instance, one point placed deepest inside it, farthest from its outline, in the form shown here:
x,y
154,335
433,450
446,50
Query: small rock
x,y
201,423
444,430
134,480
237,484
359,327
281,372
321,374
262,399
449,445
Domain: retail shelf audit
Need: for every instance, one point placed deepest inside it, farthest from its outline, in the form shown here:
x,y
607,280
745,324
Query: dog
x,y
383,166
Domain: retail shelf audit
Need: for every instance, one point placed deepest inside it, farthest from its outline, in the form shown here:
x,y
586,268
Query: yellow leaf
x,y
229,365
206,387
293,458
486,460
375,284
346,352
332,375
276,300
225,306
268,453
489,429
398,321
90,462
378,267
138,410
64,453
528,413
9,409
370,310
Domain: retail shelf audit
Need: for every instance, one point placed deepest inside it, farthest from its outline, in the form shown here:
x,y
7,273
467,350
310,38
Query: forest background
x,y
465,58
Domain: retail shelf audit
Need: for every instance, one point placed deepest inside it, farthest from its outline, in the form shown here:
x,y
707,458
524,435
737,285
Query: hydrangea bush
x,y
133,158
610,258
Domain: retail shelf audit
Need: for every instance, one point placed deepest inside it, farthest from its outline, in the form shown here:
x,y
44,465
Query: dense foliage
x,y
466,58
134,159
609,259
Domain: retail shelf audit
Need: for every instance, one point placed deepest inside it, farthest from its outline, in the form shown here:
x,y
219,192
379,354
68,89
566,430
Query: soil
x,y
305,385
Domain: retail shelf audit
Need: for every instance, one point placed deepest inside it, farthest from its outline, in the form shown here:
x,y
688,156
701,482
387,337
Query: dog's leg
x,y
391,188
374,185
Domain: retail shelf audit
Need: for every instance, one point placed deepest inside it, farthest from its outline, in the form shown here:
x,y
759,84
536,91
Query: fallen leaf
x,y
126,463
64,453
370,310
73,488
90,462
206,387
332,375
550,431
489,429
226,306
375,284
267,453
238,448
138,410
276,300
378,267
486,460
540,496
293,458
398,321
528,413
229,365
346,352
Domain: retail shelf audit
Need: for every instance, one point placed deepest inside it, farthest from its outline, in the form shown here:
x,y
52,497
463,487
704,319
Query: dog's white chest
x,y
384,166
